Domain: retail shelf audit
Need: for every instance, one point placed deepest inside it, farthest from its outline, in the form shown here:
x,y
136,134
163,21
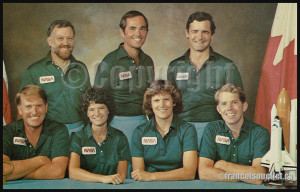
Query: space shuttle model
x,y
282,154
277,159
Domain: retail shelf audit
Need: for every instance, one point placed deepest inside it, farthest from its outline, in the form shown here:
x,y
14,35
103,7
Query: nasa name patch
x,y
88,150
47,79
182,76
222,140
125,75
149,140
19,141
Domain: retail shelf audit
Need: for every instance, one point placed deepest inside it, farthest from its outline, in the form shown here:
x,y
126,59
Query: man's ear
x,y
122,33
49,41
218,109
245,106
187,34
213,36
19,110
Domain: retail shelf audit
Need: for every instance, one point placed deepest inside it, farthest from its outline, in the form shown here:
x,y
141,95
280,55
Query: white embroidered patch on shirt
x,y
222,140
149,140
47,79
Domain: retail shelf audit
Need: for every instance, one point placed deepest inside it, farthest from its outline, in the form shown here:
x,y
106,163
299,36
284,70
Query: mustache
x,y
65,46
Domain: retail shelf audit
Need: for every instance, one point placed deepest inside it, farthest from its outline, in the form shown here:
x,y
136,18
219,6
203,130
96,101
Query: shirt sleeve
x,y
7,140
27,79
208,146
171,73
233,75
60,143
190,139
137,149
102,78
123,149
262,143
75,145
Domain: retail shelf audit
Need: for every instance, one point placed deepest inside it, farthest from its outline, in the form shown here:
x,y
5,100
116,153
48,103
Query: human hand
x,y
141,175
220,164
115,179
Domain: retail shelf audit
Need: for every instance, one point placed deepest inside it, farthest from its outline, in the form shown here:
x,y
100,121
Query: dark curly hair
x,y
162,86
100,96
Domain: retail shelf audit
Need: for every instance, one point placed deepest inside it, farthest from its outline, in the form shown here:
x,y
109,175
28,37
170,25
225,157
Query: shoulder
x,y
116,132
147,58
78,62
13,126
54,127
177,62
220,57
215,126
111,55
257,129
38,64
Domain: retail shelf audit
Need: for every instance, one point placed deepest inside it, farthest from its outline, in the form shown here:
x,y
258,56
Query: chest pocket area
x,y
45,149
245,158
223,152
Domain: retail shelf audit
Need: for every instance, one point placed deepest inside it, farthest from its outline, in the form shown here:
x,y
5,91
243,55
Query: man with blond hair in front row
x,y
37,146
231,149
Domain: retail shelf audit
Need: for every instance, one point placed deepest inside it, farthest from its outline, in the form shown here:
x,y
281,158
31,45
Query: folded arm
x,y
207,171
25,167
54,170
243,170
227,171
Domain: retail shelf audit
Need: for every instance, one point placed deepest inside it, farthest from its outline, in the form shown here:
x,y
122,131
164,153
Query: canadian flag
x,y
280,64
6,104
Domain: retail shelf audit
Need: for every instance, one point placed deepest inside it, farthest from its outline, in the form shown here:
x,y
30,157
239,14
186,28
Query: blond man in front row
x,y
37,146
231,149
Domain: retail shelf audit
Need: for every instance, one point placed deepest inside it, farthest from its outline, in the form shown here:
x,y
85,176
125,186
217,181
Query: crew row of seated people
x,y
165,147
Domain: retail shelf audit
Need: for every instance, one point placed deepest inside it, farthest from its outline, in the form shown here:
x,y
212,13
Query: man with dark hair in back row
x,y
200,72
127,72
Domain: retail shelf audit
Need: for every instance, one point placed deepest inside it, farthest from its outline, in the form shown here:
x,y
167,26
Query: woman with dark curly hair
x,y
99,152
165,147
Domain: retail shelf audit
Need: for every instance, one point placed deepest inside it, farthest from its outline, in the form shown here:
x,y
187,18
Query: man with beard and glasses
x,y
200,72
63,77
37,146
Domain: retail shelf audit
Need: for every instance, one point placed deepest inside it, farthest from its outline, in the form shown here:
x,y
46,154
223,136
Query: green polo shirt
x,y
127,83
198,88
100,159
64,91
218,142
166,153
53,141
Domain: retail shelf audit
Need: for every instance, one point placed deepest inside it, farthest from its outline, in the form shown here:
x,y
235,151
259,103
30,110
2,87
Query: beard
x,y
65,55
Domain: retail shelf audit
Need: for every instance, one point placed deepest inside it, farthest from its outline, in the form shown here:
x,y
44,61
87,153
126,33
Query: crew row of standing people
x,y
128,71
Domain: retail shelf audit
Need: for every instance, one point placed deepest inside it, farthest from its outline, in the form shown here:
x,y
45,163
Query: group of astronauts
x,y
190,126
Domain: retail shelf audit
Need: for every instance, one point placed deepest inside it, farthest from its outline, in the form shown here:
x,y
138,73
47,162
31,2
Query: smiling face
x,y
33,111
162,105
231,108
98,114
135,32
199,35
61,42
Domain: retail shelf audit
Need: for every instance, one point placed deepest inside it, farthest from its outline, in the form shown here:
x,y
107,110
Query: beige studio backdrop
x,y
242,33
